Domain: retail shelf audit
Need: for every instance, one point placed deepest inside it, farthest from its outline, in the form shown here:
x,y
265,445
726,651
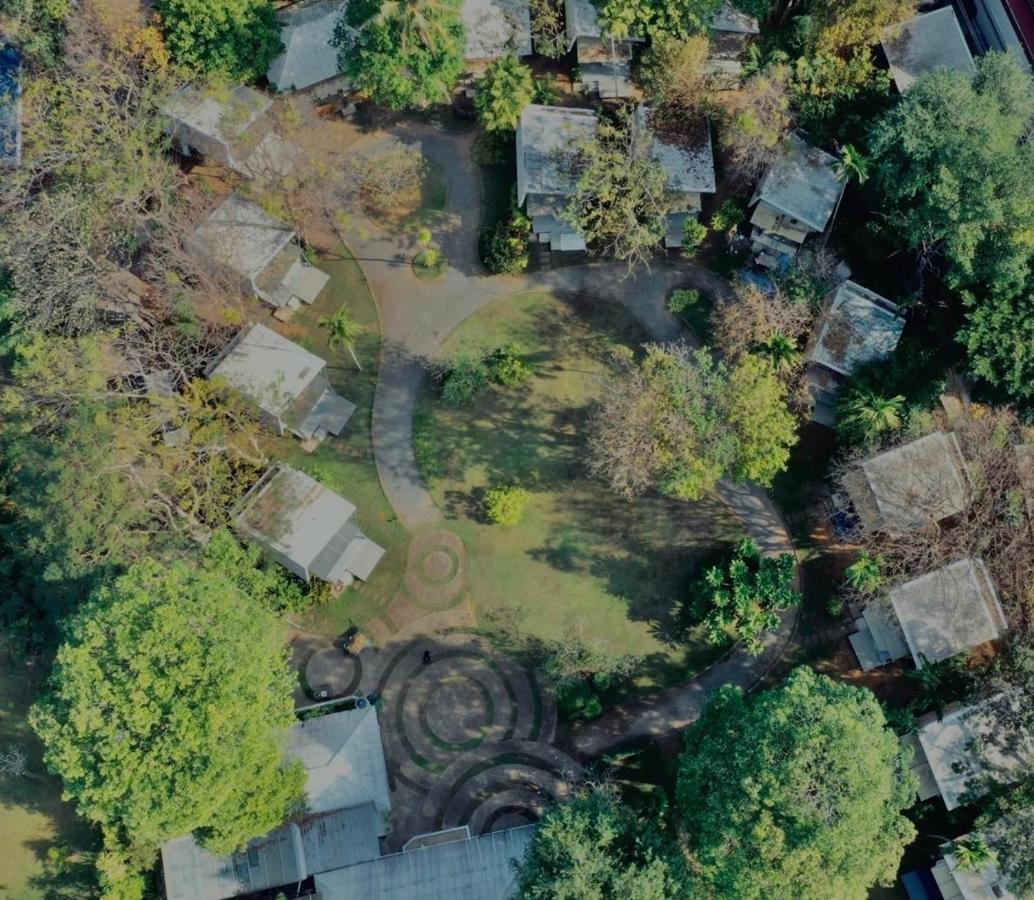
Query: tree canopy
x,y
402,53
657,18
236,38
680,420
166,709
505,90
794,792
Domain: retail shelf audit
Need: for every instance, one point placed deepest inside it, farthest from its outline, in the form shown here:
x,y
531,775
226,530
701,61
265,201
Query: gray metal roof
x,y
548,138
581,19
910,487
689,166
221,119
495,26
308,57
270,370
959,751
344,758
929,42
948,611
729,18
480,868
241,235
858,327
802,184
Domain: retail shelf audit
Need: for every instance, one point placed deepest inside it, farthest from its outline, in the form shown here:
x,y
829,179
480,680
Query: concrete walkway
x,y
416,318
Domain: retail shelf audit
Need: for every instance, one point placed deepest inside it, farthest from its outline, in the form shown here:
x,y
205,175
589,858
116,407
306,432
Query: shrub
x,y
729,215
577,700
505,505
493,148
505,249
693,234
682,300
546,91
463,381
507,367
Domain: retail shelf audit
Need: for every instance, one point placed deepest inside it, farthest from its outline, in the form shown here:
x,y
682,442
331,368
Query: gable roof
x,y
548,138
911,486
689,165
222,120
948,611
802,184
10,106
959,751
344,758
478,868
494,26
308,57
266,367
929,42
729,18
241,235
581,19
857,327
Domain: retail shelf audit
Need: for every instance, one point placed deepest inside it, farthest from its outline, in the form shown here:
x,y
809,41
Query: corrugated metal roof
x,y
309,57
241,235
929,42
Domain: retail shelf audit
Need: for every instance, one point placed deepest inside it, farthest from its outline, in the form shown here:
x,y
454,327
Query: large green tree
x,y
402,53
236,38
795,792
593,848
505,90
657,18
166,711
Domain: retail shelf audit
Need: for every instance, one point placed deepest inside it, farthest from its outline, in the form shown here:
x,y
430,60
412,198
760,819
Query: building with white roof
x,y
495,27
797,197
548,139
348,805
240,238
927,43
911,486
604,63
285,381
307,528
470,868
931,618
857,327
965,747
310,58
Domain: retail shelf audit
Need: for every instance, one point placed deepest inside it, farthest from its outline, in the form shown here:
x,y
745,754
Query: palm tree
x,y
782,352
865,574
423,22
971,853
342,330
865,415
853,164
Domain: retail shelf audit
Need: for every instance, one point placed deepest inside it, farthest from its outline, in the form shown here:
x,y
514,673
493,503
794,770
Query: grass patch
x,y
581,557
409,210
346,464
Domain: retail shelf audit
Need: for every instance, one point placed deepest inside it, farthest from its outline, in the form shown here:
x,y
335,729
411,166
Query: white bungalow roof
x,y
548,138
929,42
495,26
948,611
241,235
222,120
729,18
960,750
689,167
269,369
478,868
858,327
581,19
344,758
309,57
802,184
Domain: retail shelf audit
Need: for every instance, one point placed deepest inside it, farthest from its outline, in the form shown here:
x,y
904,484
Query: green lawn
x,y
582,557
33,818
345,464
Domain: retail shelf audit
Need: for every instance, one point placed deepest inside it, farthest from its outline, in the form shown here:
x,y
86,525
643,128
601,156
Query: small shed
x,y
307,528
494,28
475,868
930,42
241,238
933,617
310,58
684,152
10,107
960,749
285,381
796,198
548,139
912,486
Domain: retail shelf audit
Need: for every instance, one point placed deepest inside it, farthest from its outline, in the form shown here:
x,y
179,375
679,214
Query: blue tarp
x,y
10,106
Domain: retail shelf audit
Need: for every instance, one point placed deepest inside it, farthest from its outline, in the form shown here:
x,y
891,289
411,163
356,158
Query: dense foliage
x,y
506,88
657,18
742,598
165,709
236,38
794,792
402,53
